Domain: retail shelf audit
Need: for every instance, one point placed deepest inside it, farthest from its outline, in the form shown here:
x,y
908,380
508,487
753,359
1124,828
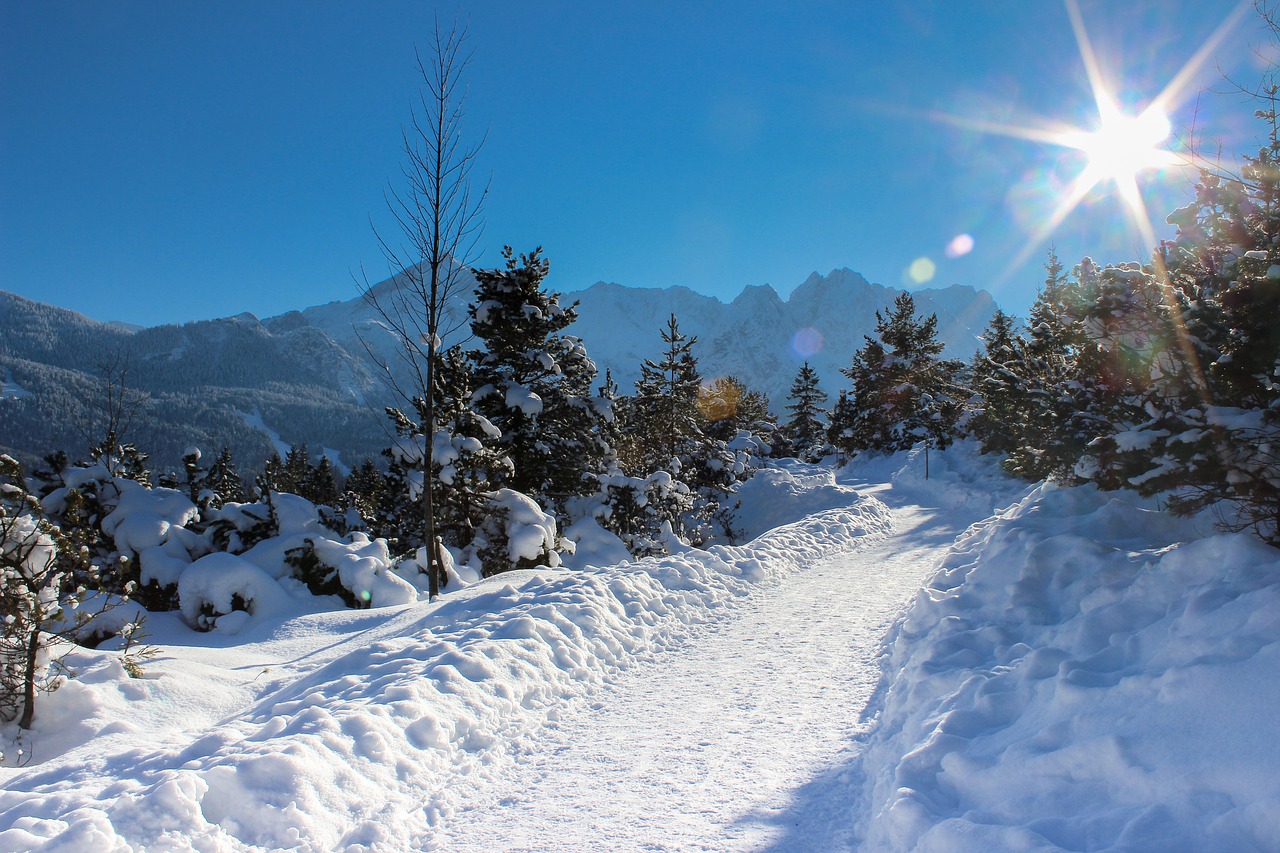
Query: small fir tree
x,y
806,431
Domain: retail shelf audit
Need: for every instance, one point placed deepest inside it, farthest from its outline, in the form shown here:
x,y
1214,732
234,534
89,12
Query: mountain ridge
x,y
313,373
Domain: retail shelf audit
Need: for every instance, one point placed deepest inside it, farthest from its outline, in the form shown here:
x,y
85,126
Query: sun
x,y
1122,145
1125,146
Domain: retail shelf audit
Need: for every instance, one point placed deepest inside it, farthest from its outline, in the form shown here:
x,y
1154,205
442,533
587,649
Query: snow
x,y
255,421
519,397
223,582
887,665
1083,673
9,389
362,736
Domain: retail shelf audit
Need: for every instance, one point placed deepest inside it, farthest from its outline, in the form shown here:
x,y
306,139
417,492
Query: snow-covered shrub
x,y
516,534
35,559
359,571
644,513
221,583
112,520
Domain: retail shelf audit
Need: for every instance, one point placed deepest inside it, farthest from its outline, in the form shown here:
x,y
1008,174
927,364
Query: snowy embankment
x,y
1083,674
344,730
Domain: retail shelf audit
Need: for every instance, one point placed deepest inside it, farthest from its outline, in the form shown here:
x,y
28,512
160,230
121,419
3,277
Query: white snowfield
x,y
1076,673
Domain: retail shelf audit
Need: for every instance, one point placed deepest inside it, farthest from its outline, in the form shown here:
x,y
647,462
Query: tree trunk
x,y
29,681
429,429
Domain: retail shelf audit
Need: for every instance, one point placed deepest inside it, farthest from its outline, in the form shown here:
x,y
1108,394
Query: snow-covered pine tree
x,y
534,383
664,410
1042,382
1212,425
903,393
35,561
668,428
223,481
465,466
841,425
806,431
1128,332
994,380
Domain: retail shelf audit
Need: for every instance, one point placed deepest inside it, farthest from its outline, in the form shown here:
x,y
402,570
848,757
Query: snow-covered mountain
x,y
759,337
312,376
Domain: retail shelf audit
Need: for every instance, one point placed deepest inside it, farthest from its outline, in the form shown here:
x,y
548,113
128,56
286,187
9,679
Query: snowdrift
x,y
364,748
1082,674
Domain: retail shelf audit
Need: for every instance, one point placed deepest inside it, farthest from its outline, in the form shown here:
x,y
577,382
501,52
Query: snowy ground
x,y
706,748
1078,672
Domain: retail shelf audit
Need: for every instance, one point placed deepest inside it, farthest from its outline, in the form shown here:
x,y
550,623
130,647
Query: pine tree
x,y
465,465
36,561
903,393
994,372
274,476
1211,424
665,408
1042,383
841,426
297,470
534,383
805,430
321,484
668,428
223,481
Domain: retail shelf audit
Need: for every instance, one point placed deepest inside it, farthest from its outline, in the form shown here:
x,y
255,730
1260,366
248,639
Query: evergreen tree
x,y
805,430
194,474
223,481
668,428
841,426
993,380
296,471
35,562
321,484
274,476
366,491
903,393
534,383
1208,426
1043,383
665,412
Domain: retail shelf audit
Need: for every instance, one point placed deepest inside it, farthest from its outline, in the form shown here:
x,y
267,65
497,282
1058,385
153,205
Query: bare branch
x,y
439,222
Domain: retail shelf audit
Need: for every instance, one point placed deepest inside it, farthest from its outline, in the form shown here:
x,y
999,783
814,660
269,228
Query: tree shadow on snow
x,y
822,812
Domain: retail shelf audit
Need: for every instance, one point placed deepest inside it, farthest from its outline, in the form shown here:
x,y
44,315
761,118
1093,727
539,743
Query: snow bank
x,y
958,478
1083,674
363,752
217,584
786,492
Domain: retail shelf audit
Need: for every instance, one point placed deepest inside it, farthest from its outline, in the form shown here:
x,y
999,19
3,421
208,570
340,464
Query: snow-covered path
x,y
707,748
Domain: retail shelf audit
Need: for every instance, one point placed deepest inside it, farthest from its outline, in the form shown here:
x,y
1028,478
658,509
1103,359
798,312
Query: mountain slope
x,y
313,375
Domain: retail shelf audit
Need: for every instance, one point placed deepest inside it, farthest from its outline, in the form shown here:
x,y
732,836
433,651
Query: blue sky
x,y
162,162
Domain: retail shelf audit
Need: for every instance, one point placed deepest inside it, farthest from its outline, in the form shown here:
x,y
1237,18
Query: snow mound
x,y
357,752
788,492
959,477
1082,674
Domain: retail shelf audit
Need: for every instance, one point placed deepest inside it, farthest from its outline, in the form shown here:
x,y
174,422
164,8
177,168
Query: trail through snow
x,y
739,741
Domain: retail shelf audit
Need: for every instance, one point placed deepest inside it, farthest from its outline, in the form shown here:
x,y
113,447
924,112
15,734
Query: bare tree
x,y
438,217
107,422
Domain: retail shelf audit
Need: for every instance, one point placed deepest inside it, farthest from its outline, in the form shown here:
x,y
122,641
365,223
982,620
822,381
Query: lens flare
x,y
806,342
1116,151
960,245
922,270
